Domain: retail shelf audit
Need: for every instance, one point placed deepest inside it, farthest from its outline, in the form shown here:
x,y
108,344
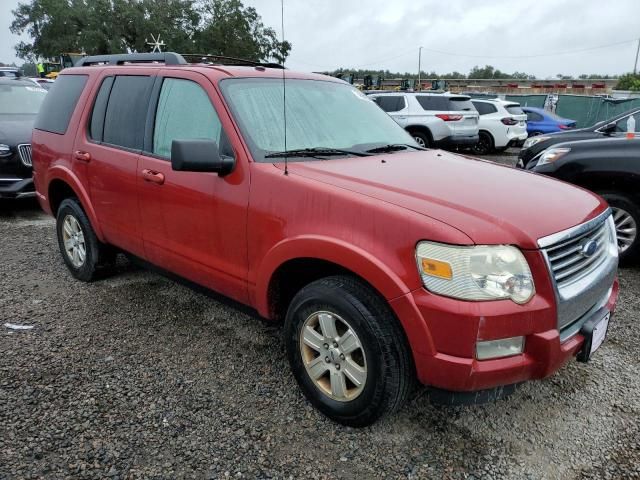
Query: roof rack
x,y
224,60
168,58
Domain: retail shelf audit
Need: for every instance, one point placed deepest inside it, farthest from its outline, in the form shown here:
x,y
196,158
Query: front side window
x,y
390,103
184,112
320,114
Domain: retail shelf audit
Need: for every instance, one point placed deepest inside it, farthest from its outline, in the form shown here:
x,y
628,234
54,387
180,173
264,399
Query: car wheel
x,y
484,145
421,139
81,250
626,216
347,351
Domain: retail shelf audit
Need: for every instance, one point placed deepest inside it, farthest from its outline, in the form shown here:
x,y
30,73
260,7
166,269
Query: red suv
x,y
295,194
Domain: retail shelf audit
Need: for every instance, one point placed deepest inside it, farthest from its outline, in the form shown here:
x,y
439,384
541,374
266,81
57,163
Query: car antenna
x,y
284,93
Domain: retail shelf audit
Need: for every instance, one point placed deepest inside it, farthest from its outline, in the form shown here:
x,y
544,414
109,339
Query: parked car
x,y
541,121
10,72
502,125
387,263
433,119
40,82
608,167
19,103
613,127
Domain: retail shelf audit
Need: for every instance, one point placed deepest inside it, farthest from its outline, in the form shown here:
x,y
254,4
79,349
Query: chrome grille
x,y
567,260
582,273
24,150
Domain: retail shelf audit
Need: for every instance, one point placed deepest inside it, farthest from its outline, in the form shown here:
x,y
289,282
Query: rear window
x,y
20,99
514,109
126,113
390,103
59,104
459,104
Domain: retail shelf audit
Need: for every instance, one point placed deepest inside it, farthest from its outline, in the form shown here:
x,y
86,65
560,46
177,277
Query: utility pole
x,y
635,65
419,66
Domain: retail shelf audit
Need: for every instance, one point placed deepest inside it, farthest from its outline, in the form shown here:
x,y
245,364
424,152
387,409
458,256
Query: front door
x,y
193,223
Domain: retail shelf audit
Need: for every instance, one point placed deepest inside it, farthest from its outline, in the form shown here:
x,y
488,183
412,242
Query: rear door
x,y
110,147
194,223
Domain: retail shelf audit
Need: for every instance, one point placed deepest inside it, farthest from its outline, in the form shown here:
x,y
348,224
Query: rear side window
x,y
514,109
126,113
459,104
433,103
484,108
390,103
534,117
96,129
184,112
59,104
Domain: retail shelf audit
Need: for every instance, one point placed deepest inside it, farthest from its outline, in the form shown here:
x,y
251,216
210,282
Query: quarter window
x,y
59,104
185,112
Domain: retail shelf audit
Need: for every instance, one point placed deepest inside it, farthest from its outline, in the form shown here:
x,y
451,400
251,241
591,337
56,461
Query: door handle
x,y
154,177
82,156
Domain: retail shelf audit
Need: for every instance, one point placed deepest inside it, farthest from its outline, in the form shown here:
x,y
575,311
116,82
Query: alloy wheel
x,y
626,228
74,243
420,141
333,356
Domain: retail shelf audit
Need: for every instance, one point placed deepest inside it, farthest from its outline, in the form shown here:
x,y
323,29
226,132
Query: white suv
x,y
503,124
433,119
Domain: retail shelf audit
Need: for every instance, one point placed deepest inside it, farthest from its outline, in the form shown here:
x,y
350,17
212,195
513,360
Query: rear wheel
x,y
81,250
626,216
347,351
484,145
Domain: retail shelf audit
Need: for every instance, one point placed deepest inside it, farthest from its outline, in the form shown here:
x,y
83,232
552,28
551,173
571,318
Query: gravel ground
x,y
136,376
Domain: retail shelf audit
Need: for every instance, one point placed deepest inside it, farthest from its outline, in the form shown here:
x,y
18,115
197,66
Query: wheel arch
x,y
422,129
65,184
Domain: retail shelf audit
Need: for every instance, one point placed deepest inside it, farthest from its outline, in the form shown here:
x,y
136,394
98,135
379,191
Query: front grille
x,y
24,150
583,262
569,262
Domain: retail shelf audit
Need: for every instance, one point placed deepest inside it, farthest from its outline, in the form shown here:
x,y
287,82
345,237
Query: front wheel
x,y
347,351
626,216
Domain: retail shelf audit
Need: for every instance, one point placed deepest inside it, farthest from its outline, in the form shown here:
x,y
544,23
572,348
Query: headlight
x,y
484,272
552,154
5,150
531,141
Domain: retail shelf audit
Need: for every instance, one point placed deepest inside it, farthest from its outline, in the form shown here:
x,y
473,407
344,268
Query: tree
x,y
629,81
221,27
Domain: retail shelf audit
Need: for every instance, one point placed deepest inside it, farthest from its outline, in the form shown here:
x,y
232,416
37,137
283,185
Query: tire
x,y
385,375
484,145
421,138
86,256
626,215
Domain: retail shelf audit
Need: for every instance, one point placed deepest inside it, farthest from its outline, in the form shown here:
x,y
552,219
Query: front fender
x,y
348,256
62,173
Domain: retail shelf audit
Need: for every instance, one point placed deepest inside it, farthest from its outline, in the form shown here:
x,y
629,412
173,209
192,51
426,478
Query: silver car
x,y
433,119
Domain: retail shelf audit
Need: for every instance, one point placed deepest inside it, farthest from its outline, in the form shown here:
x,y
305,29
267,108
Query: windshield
x,y
20,99
319,114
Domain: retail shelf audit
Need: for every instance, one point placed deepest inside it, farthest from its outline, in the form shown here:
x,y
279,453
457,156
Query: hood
x,y
16,129
491,203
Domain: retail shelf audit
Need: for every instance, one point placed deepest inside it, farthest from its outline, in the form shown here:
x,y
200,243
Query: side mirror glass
x,y
609,128
199,155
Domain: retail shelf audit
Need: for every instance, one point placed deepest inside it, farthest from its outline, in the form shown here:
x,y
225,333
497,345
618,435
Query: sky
x,y
539,37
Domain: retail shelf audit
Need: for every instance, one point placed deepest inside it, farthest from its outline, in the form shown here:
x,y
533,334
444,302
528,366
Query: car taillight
x,y
509,121
448,117
566,127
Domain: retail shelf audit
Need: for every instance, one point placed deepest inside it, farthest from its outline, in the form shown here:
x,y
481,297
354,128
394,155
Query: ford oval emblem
x,y
589,248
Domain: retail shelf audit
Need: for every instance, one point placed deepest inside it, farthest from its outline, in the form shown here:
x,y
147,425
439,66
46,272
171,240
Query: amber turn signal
x,y
436,268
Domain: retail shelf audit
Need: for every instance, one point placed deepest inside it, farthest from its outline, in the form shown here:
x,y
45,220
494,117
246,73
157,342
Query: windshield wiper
x,y
314,152
393,147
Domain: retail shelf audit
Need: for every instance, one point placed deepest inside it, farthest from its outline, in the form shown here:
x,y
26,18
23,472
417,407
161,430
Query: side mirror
x,y
198,155
609,128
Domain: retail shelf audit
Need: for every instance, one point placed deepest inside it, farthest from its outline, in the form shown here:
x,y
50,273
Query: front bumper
x,y
446,358
11,187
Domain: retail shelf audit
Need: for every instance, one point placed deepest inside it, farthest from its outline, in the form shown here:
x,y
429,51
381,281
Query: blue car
x,y
541,121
